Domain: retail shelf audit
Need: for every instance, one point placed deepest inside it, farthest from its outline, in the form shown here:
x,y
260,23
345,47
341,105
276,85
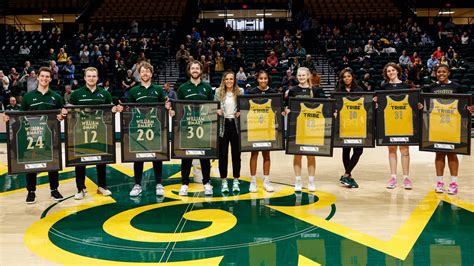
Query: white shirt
x,y
229,105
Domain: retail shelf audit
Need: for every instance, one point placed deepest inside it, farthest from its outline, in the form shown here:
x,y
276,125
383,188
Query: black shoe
x,y
345,181
353,183
31,198
55,195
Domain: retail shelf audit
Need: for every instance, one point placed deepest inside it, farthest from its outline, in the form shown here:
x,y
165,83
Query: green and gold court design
x,y
281,228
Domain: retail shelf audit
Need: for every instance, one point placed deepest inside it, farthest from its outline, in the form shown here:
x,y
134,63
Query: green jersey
x,y
189,91
84,96
145,131
152,94
35,100
196,128
90,134
34,140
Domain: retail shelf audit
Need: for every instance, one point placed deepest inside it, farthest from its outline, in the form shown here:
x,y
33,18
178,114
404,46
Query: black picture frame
x,y
93,157
363,141
13,126
149,150
312,149
408,98
185,150
432,144
277,106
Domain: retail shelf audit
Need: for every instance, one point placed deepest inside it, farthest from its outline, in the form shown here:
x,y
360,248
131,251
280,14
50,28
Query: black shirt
x,y
449,88
394,86
256,90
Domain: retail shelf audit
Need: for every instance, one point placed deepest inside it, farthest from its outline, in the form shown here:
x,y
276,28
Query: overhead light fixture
x,y
226,15
445,12
46,19
266,14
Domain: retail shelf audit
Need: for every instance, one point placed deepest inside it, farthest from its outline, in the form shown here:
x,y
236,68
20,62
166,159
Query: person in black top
x,y
347,83
304,90
445,86
392,74
263,82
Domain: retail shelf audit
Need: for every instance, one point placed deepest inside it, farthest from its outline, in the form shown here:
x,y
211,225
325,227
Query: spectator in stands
x,y
169,93
5,84
283,61
239,59
414,58
29,81
134,27
218,63
55,70
457,63
331,45
443,60
450,53
195,36
241,77
24,50
261,66
52,55
465,38
309,63
106,85
129,81
252,69
315,78
431,63
84,56
69,70
229,56
67,93
94,55
404,60
27,69
206,74
367,84
56,32
425,39
294,65
370,48
438,53
300,51
272,60
182,56
289,81
13,105
62,56
267,37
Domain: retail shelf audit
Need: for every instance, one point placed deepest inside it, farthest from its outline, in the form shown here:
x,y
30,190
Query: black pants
x,y
138,169
350,162
53,181
186,165
81,176
230,136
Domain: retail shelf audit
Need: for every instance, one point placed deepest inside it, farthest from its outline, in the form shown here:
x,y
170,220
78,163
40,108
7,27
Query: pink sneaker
x,y
392,183
407,184
453,188
439,187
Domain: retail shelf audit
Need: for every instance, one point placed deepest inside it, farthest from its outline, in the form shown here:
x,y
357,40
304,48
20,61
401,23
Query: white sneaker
x,y
235,186
298,185
136,190
183,191
208,189
80,195
160,190
267,186
225,186
253,186
105,192
311,186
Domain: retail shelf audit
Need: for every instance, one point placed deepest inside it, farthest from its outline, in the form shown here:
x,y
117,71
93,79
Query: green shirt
x,y
84,96
152,94
13,108
35,100
189,91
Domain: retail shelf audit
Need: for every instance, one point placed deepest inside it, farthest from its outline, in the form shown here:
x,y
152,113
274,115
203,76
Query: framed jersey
x,y
310,126
33,142
90,135
398,117
144,132
354,125
195,130
261,122
446,123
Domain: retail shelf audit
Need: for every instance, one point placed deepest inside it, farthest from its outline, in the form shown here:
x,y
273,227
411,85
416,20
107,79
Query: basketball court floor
x,y
370,225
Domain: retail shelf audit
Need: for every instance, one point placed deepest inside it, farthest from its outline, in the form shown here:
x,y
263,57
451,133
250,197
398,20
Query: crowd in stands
x,y
116,54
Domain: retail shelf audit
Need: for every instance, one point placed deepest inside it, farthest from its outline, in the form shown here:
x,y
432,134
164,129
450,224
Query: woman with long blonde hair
x,y
227,94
